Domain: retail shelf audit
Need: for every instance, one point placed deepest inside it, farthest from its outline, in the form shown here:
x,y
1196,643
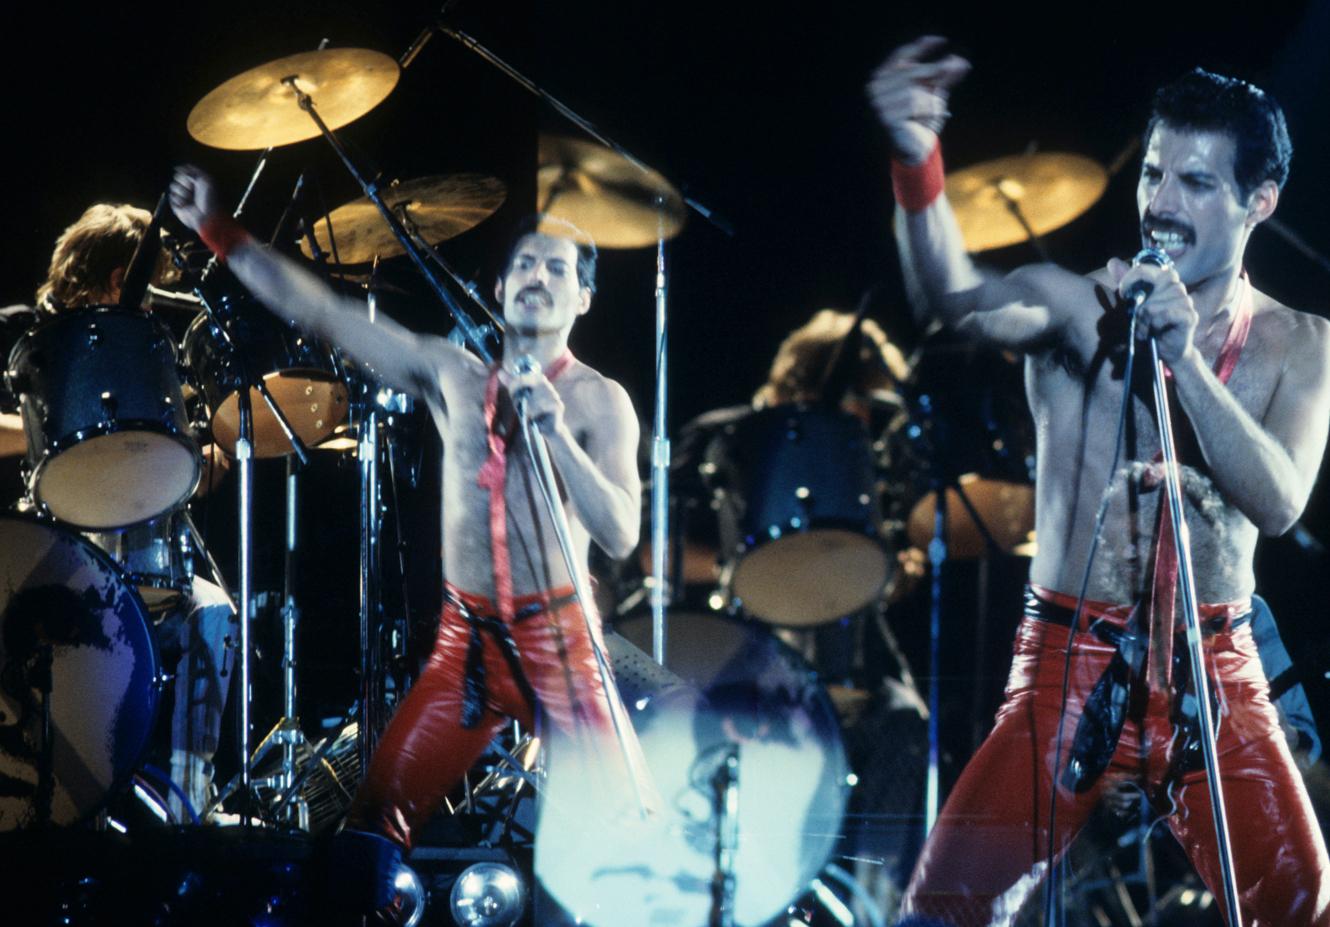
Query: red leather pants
x,y
426,750
987,849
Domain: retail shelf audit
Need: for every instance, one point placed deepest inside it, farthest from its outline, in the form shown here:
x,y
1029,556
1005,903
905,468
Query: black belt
x,y
474,694
1105,708
1044,610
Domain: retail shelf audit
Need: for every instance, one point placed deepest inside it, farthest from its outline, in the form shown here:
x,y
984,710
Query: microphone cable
x,y
1080,607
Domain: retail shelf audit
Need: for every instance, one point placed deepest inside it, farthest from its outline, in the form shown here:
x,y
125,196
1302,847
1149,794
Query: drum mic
x,y
1140,291
159,298
525,364
139,271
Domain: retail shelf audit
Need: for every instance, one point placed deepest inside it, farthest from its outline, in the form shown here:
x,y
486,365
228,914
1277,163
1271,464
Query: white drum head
x,y
810,578
117,479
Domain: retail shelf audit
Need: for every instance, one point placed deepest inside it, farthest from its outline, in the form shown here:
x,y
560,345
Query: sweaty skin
x,y
1260,438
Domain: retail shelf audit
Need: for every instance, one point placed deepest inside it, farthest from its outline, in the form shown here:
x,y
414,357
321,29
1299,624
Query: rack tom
x,y
799,514
301,374
109,443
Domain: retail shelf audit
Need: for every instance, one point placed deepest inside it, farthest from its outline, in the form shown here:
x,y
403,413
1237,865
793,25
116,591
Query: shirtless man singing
x,y
512,639
1251,385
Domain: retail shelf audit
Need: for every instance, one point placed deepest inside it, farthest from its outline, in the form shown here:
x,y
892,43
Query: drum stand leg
x,y
287,806
286,733
937,557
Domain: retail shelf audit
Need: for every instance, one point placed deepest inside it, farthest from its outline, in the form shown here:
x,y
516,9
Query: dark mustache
x,y
544,293
1154,223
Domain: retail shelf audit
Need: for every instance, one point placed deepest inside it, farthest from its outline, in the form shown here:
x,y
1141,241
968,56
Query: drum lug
x,y
94,335
108,408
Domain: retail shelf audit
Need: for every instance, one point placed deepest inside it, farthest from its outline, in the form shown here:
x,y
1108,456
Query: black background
x,y
757,108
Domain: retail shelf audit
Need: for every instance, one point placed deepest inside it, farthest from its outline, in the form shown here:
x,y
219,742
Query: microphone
x,y
1140,291
524,365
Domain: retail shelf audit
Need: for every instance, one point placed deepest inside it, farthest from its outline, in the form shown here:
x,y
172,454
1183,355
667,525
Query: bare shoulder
x,y
1301,340
457,370
594,393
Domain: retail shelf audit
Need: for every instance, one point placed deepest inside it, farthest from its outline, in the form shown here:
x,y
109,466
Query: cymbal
x,y
611,199
439,207
1007,511
1051,189
256,110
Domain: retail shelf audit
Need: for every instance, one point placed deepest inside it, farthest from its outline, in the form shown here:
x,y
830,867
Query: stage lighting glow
x,y
487,895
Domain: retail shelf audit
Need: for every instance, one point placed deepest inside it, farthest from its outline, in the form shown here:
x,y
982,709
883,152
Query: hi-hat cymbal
x,y
1050,189
257,109
602,193
439,208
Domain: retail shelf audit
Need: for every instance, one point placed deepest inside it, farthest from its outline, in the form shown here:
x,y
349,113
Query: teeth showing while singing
x,y
1167,239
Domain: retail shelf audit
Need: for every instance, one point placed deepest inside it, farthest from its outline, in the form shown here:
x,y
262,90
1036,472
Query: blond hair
x,y
88,253
805,357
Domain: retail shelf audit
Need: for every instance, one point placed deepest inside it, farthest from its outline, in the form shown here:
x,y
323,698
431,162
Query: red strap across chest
x,y
1164,593
493,475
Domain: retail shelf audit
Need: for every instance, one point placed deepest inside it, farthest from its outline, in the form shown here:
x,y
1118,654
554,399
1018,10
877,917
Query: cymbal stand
x,y
476,336
937,558
1014,207
466,286
371,705
286,733
374,441
660,444
244,454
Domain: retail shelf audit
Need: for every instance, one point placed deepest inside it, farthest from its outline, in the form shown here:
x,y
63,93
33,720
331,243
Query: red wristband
x,y
917,185
223,235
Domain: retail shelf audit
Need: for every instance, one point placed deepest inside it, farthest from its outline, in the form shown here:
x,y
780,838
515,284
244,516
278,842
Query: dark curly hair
x,y
1203,101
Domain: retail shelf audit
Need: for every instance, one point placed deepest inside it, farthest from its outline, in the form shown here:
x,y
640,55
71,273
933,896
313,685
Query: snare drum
x,y
157,558
799,515
56,587
300,373
109,443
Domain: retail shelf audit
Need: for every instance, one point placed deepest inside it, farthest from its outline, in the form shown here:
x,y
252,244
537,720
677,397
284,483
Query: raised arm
x,y
910,95
402,358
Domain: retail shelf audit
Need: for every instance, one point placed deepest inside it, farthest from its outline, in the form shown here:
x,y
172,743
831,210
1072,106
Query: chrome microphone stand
x,y
549,490
1196,652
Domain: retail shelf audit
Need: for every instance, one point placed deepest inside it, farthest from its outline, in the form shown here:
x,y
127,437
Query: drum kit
x,y
112,405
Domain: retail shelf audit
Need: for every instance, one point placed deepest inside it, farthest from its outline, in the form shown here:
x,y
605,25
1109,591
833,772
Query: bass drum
x,y
109,443
57,589
743,691
799,515
300,373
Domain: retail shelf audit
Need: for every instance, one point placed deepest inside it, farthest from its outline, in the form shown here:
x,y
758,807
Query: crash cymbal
x,y
1050,188
611,199
256,110
439,208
